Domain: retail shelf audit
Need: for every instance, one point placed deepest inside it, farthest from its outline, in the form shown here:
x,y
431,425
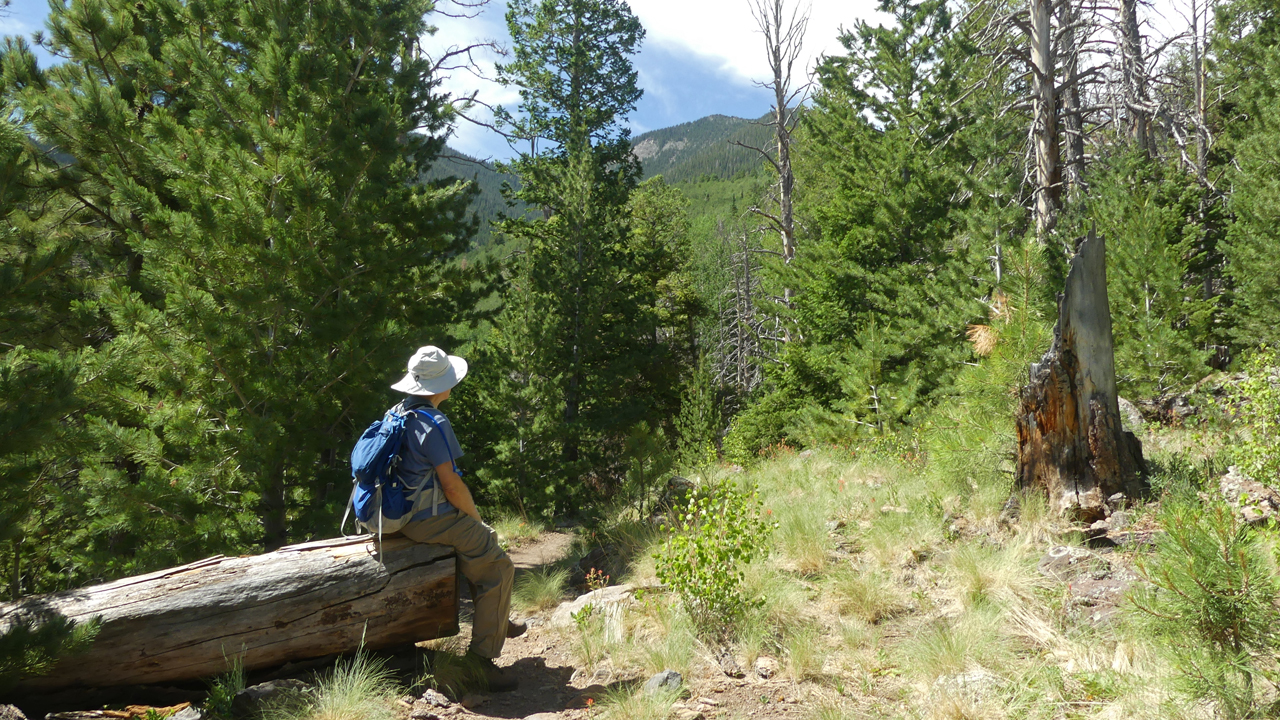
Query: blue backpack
x,y
381,501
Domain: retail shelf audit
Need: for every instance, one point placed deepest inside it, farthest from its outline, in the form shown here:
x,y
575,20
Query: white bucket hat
x,y
431,371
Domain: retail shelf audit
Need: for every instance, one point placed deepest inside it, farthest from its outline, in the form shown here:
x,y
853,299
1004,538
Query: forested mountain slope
x,y
705,147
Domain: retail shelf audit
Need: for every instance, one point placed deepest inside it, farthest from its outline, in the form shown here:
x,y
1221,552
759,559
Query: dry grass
x,y
540,589
869,596
358,688
514,531
982,574
887,614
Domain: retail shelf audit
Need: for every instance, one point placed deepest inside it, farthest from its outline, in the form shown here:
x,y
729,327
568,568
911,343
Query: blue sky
x,y
700,58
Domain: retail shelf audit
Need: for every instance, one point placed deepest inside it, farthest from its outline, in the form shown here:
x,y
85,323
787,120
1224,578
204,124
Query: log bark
x,y
1070,442
299,602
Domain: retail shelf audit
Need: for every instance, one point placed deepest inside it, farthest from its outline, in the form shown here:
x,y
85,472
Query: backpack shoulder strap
x,y
430,417
452,461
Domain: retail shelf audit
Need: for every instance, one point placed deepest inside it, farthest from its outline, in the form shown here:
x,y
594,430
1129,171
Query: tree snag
x,y
1070,442
299,602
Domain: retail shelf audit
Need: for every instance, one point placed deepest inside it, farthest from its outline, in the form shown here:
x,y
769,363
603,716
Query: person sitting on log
x,y
431,447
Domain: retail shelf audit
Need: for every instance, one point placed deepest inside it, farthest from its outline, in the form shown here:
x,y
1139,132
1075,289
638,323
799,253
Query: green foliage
x,y
1246,43
32,646
214,274
224,688
1160,318
719,532
1258,400
699,423
887,272
539,589
1213,604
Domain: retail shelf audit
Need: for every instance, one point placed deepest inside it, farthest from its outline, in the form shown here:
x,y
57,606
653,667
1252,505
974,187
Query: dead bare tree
x,y
1133,71
784,40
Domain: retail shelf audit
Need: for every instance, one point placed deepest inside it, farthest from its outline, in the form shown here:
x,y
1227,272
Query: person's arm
x,y
457,492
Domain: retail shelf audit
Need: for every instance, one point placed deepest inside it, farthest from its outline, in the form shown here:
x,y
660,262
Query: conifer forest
x,y
777,371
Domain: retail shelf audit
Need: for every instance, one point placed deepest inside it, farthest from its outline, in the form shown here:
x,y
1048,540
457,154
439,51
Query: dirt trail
x,y
549,548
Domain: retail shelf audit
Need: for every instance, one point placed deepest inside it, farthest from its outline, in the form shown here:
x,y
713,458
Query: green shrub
x,y
720,531
1258,398
1213,604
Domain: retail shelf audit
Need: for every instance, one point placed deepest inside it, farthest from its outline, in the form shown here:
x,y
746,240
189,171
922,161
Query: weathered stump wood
x,y
299,602
1070,441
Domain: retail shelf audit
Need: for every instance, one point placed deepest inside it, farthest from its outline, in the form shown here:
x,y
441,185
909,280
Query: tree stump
x,y
299,602
1071,445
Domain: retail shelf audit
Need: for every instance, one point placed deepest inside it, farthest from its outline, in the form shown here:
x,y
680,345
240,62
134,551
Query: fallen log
x,y
1071,445
299,602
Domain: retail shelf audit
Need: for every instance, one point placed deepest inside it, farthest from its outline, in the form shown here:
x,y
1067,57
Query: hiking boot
x,y
496,678
516,628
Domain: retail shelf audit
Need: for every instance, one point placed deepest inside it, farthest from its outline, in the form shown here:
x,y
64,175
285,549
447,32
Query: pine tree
x,y
245,176
584,316
1248,43
887,287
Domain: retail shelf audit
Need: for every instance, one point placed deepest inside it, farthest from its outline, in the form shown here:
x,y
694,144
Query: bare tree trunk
x,y
1134,72
1045,120
1199,72
1071,445
273,509
784,40
1073,123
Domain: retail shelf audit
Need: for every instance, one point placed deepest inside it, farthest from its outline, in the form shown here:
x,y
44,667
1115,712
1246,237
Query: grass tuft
x,y
950,647
358,688
540,589
806,653
867,596
628,703
514,531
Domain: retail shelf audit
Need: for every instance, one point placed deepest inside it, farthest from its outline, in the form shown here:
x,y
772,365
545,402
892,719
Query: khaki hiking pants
x,y
483,563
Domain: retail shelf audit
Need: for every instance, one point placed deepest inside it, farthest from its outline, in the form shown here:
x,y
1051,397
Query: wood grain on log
x,y
298,602
1070,441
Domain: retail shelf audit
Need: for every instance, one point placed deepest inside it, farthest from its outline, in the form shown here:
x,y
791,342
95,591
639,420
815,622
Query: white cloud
x,y
719,33
726,30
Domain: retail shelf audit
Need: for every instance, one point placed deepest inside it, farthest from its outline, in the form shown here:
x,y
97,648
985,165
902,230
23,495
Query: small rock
x,y
709,701
1254,502
1010,512
9,712
602,598
689,714
472,700
1063,562
435,699
667,681
1130,416
766,667
189,712
1119,520
976,684
420,712
735,469
247,700
806,453
729,664
543,716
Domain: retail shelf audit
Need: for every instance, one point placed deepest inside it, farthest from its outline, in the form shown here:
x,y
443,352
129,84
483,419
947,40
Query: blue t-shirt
x,y
424,448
